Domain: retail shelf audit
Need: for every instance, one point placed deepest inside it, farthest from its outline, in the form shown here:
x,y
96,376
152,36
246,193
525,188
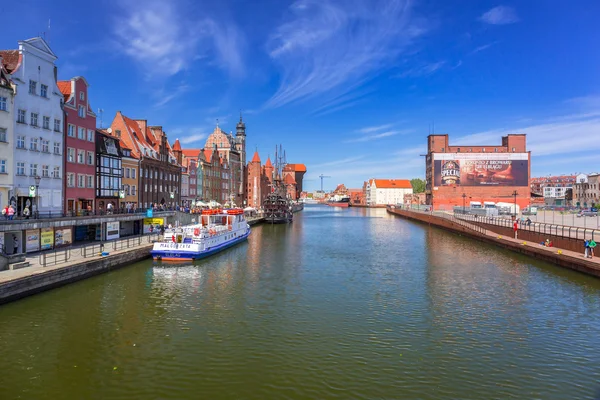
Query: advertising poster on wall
x,y
478,169
32,242
47,238
112,230
63,237
154,222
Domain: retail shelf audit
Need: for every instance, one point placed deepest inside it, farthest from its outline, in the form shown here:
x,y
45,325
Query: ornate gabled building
x,y
233,150
7,124
213,176
38,130
160,173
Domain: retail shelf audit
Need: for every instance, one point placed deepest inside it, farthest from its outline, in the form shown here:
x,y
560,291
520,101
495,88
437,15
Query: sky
x,y
350,88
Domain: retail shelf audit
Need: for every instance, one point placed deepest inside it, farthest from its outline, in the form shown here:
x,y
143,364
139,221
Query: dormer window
x,y
81,96
118,132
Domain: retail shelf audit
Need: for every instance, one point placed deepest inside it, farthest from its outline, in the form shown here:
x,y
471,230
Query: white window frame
x,y
80,156
33,144
90,158
81,112
56,172
81,96
70,154
3,137
46,123
3,167
33,119
45,171
70,179
133,173
90,181
57,148
21,116
80,180
21,142
32,87
57,127
90,135
44,91
71,130
3,103
81,133
21,168
46,145
33,169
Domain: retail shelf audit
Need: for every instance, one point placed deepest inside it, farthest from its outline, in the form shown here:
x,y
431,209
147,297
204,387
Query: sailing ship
x,y
216,231
277,207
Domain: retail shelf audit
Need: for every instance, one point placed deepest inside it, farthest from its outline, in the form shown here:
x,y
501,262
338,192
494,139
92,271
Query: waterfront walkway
x,y
567,258
75,255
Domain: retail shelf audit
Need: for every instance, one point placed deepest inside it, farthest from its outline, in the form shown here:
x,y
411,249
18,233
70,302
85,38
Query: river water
x,y
341,304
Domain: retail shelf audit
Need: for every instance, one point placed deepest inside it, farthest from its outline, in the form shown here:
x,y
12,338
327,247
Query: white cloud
x,y
165,97
164,40
371,129
484,47
423,70
194,138
500,15
375,136
343,161
328,47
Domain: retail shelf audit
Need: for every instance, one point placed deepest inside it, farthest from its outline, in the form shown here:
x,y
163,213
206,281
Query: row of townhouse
x,y
53,159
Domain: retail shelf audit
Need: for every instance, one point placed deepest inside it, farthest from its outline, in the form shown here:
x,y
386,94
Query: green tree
x,y
418,185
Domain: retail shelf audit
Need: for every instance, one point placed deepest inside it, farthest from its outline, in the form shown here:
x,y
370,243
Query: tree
x,y
418,185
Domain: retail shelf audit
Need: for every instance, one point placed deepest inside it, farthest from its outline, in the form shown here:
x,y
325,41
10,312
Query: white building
x,y
555,192
7,124
387,191
38,129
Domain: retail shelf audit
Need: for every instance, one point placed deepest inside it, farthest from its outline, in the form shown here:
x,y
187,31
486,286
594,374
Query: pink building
x,y
80,153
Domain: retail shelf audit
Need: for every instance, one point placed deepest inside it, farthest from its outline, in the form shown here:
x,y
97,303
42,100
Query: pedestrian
x,y
11,212
586,245
26,212
109,208
515,228
592,245
5,212
15,245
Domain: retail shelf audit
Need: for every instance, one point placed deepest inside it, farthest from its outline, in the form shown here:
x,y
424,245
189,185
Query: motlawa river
x,y
340,304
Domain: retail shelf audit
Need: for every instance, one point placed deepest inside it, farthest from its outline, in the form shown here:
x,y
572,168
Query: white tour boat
x,y
216,231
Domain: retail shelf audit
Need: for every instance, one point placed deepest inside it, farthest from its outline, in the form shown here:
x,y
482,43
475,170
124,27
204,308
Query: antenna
x,y
100,112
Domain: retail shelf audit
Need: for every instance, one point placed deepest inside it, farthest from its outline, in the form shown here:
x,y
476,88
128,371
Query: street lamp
x,y
514,193
464,196
37,187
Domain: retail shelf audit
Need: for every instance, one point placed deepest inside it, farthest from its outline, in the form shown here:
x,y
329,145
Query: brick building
x,y
258,181
586,191
213,176
80,163
477,173
293,174
159,174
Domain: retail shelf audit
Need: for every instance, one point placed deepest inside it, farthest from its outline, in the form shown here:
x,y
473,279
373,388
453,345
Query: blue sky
x,y
351,88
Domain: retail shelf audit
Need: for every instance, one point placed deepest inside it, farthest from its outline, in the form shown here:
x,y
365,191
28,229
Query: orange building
x,y
457,175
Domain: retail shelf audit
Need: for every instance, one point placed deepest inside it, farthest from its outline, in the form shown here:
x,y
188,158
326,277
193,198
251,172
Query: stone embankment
x,y
524,245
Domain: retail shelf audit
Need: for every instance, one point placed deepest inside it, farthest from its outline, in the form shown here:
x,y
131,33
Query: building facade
x,y
214,178
131,173
7,140
258,182
387,191
159,174
586,191
39,141
293,174
233,151
109,172
455,174
80,155
538,184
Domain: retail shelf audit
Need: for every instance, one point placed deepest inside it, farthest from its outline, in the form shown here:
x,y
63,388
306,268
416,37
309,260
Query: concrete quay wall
x,y
46,280
569,259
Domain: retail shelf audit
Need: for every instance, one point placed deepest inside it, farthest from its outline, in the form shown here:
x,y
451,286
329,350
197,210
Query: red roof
x,y
11,59
289,180
256,157
191,153
297,167
268,163
65,88
392,184
176,145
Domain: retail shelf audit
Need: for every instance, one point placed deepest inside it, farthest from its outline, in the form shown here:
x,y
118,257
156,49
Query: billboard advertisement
x,y
150,224
62,237
47,238
32,242
480,169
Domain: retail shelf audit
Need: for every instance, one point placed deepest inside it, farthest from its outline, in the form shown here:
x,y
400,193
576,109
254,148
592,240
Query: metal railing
x,y
62,255
426,210
563,231
82,214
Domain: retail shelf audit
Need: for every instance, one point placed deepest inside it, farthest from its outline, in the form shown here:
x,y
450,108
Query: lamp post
x,y
37,204
514,193
464,196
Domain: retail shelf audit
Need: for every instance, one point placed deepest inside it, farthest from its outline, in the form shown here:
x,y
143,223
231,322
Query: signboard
x,y
32,240
149,213
112,230
47,238
152,221
31,191
121,194
63,237
480,169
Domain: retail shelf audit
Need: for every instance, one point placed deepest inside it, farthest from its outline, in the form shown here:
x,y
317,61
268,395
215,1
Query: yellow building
x,y
131,178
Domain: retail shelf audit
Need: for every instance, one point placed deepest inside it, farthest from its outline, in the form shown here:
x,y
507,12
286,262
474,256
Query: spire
x,y
268,163
240,127
256,157
176,145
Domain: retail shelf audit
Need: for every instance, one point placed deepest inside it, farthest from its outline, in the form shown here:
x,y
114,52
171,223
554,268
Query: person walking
x,y
26,212
5,212
515,228
11,212
586,246
592,245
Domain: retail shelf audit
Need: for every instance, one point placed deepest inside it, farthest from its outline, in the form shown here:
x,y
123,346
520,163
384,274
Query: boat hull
x,y
178,252
339,204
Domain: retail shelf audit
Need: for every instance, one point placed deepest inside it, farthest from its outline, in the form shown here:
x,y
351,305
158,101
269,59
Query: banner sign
x,y
112,230
63,237
154,222
47,238
468,169
32,242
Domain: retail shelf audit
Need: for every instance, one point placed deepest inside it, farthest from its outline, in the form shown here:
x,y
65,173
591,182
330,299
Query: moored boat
x,y
216,231
339,201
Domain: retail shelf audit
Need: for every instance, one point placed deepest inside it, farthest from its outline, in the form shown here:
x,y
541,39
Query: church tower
x,y
241,148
